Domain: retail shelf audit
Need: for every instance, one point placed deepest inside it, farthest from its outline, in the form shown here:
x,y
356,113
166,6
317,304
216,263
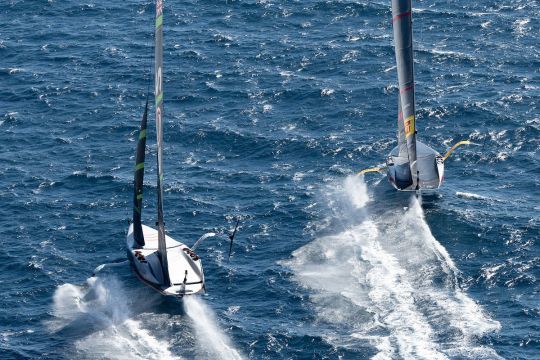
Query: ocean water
x,y
270,108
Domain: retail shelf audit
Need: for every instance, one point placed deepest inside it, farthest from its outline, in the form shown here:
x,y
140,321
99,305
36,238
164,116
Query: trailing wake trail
x,y
103,320
98,317
385,282
213,342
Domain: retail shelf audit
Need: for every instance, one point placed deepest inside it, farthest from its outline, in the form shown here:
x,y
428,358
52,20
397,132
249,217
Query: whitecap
x,y
520,26
298,176
327,92
486,24
472,196
349,56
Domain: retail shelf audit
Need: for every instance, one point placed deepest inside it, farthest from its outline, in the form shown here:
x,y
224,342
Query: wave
x,y
385,280
473,196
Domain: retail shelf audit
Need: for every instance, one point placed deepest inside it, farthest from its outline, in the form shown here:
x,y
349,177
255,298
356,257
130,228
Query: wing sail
x,y
138,180
402,24
402,139
158,81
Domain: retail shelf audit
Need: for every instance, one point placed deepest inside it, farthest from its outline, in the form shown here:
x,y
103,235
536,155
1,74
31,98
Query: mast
x,y
138,181
402,24
158,79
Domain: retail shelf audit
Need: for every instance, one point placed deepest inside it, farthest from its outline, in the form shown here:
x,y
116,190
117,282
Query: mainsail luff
x,y
402,24
138,180
158,79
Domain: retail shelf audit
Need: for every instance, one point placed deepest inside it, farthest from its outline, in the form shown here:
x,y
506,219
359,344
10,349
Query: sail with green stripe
x,y
138,181
158,82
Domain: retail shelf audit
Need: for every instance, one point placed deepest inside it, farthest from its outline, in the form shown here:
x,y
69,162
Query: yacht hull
x,y
185,267
429,164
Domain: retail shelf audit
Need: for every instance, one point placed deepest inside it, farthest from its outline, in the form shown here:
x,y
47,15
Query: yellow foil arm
x,y
449,152
375,169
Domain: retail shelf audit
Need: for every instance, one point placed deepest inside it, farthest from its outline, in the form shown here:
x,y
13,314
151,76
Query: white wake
x,y
98,315
385,280
213,342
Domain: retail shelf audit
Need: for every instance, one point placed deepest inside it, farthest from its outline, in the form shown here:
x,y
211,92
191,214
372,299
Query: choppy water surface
x,y
270,107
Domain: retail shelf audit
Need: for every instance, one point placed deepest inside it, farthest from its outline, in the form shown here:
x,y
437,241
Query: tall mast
x,y
402,23
158,79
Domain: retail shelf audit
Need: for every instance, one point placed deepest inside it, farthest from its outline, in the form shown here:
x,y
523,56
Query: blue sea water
x,y
270,108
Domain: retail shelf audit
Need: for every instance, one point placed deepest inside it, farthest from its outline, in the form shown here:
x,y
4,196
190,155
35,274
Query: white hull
x,y
429,163
185,268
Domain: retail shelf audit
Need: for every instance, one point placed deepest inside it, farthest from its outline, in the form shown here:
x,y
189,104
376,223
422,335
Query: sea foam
x,y
385,281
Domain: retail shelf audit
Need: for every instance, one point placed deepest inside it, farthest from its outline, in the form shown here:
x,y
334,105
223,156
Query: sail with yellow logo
x,y
411,165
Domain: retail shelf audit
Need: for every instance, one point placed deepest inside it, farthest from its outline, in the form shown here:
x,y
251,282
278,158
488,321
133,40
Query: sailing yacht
x,y
158,260
411,165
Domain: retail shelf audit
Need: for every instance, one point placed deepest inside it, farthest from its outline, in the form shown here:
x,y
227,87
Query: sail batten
x,y
402,24
158,82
